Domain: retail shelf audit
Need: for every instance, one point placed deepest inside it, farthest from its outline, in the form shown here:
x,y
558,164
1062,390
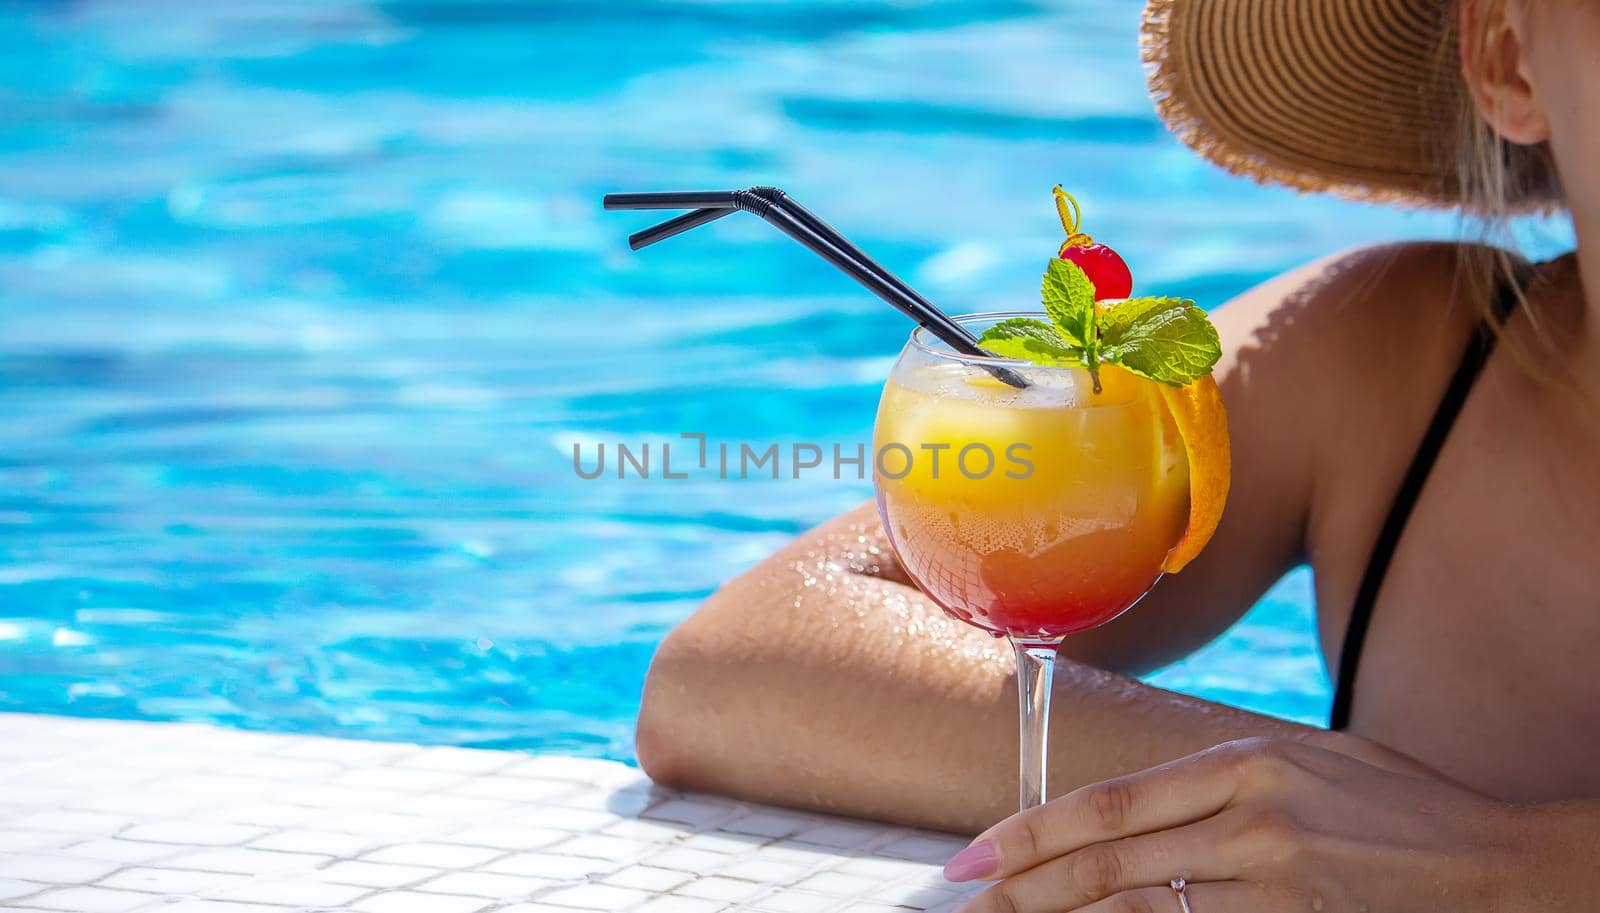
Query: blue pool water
x,y
303,305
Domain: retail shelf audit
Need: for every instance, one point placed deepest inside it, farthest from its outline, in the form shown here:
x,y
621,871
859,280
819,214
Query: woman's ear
x,y
1493,61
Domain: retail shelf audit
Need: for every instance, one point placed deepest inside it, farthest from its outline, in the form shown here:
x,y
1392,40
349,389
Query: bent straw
x,y
794,220
642,239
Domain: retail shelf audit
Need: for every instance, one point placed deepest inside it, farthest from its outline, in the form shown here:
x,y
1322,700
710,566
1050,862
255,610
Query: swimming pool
x,y
302,307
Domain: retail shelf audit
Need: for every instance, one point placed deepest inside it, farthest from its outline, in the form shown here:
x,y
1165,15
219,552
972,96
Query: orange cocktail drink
x,y
1037,482
1036,512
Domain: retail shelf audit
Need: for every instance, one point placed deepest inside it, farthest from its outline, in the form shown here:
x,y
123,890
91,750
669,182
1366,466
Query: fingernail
x,y
975,861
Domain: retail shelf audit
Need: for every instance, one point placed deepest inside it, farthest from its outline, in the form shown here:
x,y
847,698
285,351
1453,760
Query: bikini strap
x,y
1506,295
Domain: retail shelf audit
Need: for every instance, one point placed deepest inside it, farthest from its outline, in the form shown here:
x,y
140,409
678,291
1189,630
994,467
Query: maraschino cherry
x,y
1104,267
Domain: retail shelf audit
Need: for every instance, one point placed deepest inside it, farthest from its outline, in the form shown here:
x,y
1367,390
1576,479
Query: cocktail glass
x,y
1032,513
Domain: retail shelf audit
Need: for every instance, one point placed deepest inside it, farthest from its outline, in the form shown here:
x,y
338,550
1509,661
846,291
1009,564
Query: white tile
x,y
547,865
795,902
455,807
375,875
840,836
214,906
514,789
170,881
559,767
682,905
648,878
296,892
395,827
838,885
767,824
53,869
507,837
298,770
342,797
869,907
596,897
794,851
484,884
533,908
39,797
192,833
164,760
113,849
247,862
458,760
399,780
697,812
915,894
10,888
413,902
34,841
721,842
886,869
698,862
189,785
765,871
85,823
727,890
648,831
348,751
435,855
269,814
572,819
89,900
594,846
332,843
145,802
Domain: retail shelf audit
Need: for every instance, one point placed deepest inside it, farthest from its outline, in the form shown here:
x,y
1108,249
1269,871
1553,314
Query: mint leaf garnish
x,y
1069,300
1169,340
1029,340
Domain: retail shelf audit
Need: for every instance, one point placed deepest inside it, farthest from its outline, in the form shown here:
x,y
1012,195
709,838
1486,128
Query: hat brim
x,y
1358,98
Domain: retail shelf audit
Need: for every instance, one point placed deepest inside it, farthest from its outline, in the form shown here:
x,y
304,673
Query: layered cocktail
x,y
1041,487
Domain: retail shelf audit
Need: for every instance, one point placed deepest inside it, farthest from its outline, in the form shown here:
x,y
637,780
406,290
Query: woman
x,y
1454,575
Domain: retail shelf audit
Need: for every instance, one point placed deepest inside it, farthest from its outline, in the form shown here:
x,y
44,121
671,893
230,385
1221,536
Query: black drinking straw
x,y
794,220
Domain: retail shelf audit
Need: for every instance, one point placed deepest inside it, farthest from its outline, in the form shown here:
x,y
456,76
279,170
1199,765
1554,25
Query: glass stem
x,y
1036,665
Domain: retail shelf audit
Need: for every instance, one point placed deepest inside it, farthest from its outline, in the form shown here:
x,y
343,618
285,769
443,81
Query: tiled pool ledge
x,y
107,816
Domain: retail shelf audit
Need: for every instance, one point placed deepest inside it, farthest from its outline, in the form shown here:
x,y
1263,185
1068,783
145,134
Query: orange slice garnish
x,y
1202,422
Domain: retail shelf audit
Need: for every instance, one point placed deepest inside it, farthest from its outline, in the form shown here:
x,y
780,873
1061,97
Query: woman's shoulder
x,y
1336,367
1366,294
1367,327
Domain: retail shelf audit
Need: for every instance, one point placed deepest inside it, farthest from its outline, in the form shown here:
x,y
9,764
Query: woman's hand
x,y
1261,826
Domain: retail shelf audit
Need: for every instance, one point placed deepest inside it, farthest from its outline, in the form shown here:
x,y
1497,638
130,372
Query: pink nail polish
x,y
975,861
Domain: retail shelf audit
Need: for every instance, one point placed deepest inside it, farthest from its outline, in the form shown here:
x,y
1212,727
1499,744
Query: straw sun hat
x,y
1360,98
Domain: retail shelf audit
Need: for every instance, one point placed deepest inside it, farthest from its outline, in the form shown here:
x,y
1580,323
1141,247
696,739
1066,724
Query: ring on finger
x,y
1179,887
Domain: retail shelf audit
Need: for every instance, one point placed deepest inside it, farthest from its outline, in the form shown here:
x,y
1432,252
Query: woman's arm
x,y
853,694
823,679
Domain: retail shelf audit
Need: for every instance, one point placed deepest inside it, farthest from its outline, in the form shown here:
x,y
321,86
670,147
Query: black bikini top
x,y
1476,356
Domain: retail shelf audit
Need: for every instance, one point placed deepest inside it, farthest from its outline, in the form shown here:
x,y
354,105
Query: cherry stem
x,y
1071,215
1067,207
